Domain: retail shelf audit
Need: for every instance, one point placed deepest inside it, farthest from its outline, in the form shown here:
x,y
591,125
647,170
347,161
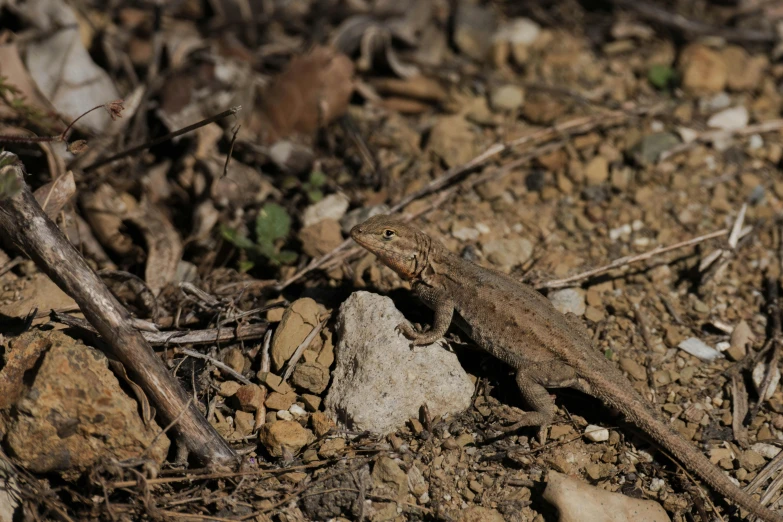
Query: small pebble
x,y
656,485
723,346
730,119
596,433
297,410
755,142
766,450
569,300
699,348
285,415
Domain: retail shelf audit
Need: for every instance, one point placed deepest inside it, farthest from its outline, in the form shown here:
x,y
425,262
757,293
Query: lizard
x,y
519,326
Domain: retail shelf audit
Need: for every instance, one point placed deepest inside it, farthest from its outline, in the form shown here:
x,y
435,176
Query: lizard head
x,y
398,245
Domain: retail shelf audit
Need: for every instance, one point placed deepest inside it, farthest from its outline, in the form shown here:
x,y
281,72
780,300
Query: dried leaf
x,y
164,246
105,209
63,69
313,91
56,194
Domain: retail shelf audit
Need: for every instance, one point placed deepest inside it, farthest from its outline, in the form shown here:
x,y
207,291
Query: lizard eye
x,y
388,234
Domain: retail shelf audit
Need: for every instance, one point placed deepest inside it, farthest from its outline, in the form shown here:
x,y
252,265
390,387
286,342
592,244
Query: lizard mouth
x,y
356,235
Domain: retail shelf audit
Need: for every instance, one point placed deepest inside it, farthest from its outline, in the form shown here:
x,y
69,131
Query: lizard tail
x,y
641,415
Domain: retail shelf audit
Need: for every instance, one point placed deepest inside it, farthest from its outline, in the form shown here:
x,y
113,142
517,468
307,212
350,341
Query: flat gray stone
x,y
379,382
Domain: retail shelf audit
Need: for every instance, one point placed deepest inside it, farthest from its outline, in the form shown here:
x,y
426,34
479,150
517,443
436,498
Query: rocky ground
x,y
542,139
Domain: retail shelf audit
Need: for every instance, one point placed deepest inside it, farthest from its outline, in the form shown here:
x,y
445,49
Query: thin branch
x,y
694,27
171,424
627,260
161,139
229,370
710,136
301,348
24,223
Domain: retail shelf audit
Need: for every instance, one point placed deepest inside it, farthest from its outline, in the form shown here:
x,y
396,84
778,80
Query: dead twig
x,y
167,428
161,139
114,109
242,332
654,13
776,337
25,224
710,136
235,374
301,348
627,260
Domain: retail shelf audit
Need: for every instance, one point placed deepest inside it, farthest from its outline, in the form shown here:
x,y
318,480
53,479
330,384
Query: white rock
x,y
622,230
755,142
766,450
596,433
506,98
569,300
297,411
758,378
687,135
723,346
730,119
656,485
332,206
285,415
465,233
522,31
379,382
720,101
508,252
576,500
700,349
291,157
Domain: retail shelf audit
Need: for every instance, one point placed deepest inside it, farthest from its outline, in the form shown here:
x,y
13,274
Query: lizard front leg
x,y
443,306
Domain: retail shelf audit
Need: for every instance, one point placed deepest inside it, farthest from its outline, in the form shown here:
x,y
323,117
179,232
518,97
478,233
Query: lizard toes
x,y
407,330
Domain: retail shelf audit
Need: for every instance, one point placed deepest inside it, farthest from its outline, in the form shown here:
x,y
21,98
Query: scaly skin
x,y
519,326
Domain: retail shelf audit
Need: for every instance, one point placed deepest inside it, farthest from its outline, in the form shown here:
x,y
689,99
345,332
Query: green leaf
x,y
285,257
315,195
661,76
265,249
246,266
272,223
234,237
317,178
609,354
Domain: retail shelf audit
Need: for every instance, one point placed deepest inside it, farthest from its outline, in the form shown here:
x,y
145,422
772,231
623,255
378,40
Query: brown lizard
x,y
519,326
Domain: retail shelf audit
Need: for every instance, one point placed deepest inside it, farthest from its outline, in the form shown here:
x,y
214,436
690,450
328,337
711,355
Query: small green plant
x,y
272,224
661,76
313,186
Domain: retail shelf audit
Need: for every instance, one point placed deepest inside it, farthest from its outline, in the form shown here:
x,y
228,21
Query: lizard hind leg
x,y
533,380
537,398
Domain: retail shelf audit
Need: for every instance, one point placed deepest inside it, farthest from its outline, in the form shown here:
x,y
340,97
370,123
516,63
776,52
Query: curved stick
x,y
23,221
